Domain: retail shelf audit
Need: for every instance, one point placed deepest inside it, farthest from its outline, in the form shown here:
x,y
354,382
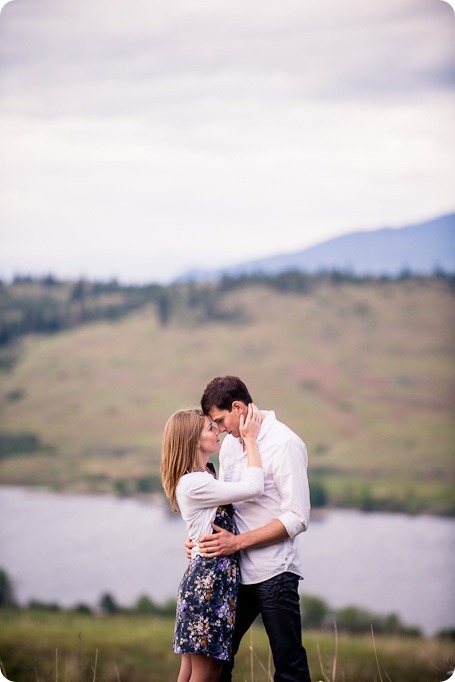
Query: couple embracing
x,y
242,530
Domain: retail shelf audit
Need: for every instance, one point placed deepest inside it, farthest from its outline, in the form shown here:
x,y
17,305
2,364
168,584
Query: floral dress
x,y
207,600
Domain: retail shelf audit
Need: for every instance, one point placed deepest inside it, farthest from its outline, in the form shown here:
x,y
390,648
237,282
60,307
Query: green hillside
x,y
363,370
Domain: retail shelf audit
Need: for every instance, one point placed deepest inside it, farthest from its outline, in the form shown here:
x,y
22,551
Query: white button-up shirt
x,y
199,495
286,497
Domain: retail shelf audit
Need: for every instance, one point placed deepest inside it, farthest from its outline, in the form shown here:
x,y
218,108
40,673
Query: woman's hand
x,y
249,426
189,544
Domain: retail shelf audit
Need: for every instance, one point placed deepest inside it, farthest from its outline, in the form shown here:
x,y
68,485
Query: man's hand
x,y
221,543
189,544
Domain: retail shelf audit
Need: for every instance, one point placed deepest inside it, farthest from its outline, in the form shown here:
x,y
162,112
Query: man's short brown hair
x,y
221,393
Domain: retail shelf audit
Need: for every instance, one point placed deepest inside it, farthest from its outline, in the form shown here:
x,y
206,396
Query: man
x,y
268,526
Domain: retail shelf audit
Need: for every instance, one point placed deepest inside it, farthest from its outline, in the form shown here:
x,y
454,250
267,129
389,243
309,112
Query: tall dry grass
x,y
62,647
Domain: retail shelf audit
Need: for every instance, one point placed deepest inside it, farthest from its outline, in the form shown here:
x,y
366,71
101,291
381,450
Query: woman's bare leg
x,y
185,668
205,669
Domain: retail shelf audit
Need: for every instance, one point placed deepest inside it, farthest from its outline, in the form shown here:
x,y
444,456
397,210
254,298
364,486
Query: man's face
x,y
226,421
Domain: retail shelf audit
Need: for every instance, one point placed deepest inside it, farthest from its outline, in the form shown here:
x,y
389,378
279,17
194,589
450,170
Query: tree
x,y
108,604
315,612
145,605
6,590
163,304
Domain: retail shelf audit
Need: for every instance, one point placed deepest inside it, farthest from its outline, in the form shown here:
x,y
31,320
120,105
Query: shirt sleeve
x,y
208,491
291,479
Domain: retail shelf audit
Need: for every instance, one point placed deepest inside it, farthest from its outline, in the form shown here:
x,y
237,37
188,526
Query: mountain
x,y
421,248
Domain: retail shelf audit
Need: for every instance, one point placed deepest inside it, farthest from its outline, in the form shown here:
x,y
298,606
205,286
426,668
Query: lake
x,y
72,548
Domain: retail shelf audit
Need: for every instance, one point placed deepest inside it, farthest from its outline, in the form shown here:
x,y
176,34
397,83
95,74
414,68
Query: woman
x,y
208,590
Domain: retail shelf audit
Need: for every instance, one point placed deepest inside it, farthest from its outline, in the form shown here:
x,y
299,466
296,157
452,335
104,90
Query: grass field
x,y
69,647
364,372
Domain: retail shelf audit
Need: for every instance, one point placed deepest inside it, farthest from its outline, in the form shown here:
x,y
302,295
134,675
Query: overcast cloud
x,y
145,138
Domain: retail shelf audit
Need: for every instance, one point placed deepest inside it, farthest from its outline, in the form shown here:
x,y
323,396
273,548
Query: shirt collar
x,y
267,423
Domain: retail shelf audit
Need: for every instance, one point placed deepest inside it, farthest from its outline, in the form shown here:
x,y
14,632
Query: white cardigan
x,y
199,495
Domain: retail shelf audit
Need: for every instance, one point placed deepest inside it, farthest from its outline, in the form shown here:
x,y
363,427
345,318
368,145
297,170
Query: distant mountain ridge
x,y
421,249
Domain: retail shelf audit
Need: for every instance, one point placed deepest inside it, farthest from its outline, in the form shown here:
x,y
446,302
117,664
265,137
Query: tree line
x,y
316,613
46,305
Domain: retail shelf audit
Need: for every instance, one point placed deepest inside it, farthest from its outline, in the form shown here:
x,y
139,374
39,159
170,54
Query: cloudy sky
x,y
142,138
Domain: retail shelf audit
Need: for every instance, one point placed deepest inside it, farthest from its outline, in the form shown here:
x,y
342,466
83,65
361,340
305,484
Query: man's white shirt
x,y
286,497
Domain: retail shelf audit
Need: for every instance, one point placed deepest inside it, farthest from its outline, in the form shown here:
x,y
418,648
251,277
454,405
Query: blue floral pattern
x,y
207,600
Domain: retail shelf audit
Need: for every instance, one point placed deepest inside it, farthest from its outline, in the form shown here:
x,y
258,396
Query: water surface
x,y
72,548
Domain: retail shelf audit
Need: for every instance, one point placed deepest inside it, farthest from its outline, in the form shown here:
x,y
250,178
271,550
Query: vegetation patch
x,y
47,646
45,643
22,444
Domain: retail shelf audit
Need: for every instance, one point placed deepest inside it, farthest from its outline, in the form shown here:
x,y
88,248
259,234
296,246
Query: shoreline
x,y
159,499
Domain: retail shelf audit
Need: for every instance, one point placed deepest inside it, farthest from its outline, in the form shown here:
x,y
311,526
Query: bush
x,y
354,620
82,608
148,484
315,612
318,493
146,606
36,605
15,443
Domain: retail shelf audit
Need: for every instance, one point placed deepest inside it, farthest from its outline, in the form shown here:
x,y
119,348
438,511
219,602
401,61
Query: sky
x,y
143,138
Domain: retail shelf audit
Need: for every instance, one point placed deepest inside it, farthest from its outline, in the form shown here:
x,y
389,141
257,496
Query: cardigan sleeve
x,y
206,491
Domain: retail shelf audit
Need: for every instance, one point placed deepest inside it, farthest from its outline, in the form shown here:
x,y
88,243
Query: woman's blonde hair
x,y
179,451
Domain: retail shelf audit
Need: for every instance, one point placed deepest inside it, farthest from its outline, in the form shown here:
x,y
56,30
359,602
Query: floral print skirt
x,y
207,600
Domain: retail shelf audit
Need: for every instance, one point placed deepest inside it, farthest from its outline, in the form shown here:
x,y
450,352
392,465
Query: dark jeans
x,y
277,600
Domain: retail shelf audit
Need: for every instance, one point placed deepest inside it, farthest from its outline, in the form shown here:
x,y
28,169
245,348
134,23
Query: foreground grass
x,y
70,647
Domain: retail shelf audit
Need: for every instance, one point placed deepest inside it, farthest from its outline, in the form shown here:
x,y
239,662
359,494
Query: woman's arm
x,y
207,491
211,492
202,490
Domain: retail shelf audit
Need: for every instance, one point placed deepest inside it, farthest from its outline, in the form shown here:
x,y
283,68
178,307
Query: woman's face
x,y
208,440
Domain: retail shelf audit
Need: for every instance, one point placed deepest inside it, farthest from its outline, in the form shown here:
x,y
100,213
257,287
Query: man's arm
x,y
291,478
223,543
292,482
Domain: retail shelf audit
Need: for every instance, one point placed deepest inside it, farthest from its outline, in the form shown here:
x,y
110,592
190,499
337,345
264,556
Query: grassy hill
x,y
363,370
